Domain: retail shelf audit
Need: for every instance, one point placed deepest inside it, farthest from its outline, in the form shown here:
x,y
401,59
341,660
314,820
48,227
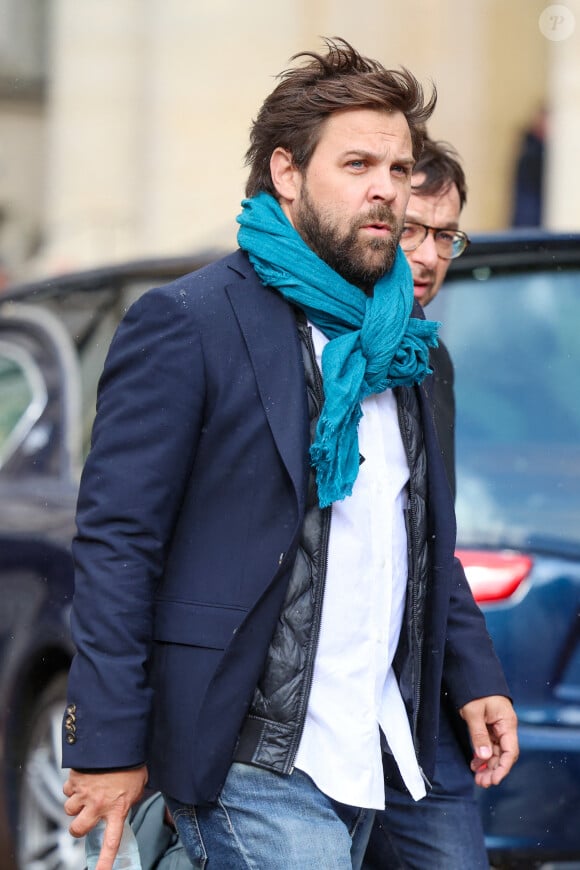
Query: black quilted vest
x,y
273,727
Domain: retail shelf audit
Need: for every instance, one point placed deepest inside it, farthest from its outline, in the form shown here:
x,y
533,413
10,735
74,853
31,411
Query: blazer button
x,y
70,739
70,724
71,709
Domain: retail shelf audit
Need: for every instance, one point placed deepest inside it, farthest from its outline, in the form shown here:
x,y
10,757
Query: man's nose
x,y
382,187
426,253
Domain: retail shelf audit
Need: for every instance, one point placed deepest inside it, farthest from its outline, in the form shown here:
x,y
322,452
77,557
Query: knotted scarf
x,y
373,344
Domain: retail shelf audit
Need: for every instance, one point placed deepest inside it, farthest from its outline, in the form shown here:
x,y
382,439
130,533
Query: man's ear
x,y
285,176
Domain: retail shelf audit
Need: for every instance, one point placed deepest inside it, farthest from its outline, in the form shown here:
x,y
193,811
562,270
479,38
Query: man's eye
x,y
356,164
402,170
446,238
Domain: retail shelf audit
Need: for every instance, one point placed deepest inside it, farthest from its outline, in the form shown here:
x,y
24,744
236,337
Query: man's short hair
x,y
440,163
292,116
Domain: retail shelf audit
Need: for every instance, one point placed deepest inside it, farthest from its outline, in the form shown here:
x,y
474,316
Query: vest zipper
x,y
306,335
412,549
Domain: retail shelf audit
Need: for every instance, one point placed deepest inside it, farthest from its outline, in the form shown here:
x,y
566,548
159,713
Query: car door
x,y
39,463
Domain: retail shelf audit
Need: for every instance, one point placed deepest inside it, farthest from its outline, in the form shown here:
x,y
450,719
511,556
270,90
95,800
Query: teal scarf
x,y
373,344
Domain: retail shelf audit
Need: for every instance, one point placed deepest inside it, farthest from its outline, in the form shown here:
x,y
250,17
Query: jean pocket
x,y
185,820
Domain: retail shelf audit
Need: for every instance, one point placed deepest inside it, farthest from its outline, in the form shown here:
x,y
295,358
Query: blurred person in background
x,y
4,276
528,185
431,239
266,596
443,831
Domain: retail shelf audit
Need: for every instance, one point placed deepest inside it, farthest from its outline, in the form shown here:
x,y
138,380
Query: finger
x,y
478,763
73,805
111,842
508,742
483,779
486,777
496,770
82,824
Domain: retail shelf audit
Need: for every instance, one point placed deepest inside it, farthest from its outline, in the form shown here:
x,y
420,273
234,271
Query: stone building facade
x,y
130,139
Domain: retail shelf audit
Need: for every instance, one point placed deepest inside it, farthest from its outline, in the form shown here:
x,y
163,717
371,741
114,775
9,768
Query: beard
x,y
359,261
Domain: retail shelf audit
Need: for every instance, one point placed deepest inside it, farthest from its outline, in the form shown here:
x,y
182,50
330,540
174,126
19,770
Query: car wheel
x,y
43,840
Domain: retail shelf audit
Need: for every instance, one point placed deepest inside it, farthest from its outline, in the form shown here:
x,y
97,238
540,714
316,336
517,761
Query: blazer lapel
x,y
269,329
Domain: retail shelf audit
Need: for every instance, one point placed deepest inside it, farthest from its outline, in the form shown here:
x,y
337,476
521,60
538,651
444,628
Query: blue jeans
x,y
266,820
443,831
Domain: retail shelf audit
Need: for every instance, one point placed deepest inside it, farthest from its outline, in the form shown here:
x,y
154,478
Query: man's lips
x,y
377,228
420,287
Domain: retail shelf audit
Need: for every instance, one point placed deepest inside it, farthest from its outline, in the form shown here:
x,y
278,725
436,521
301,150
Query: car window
x,y
514,343
93,335
45,439
22,397
90,318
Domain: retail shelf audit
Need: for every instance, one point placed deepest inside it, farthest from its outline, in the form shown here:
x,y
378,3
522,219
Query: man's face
x,y
442,211
350,203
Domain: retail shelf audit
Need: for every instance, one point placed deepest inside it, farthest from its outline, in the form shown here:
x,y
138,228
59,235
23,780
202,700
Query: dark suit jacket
x,y
444,407
189,516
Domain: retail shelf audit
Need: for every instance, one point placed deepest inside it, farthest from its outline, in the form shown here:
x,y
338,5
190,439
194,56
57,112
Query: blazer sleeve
x,y
471,667
149,414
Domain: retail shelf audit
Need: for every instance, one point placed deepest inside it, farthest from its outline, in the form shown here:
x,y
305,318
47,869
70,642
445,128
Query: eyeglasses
x,y
449,244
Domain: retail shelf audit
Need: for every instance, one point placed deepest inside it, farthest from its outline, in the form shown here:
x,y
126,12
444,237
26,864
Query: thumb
x,y
475,714
480,739
484,752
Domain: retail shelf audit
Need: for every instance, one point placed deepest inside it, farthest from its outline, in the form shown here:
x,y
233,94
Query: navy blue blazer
x,y
189,516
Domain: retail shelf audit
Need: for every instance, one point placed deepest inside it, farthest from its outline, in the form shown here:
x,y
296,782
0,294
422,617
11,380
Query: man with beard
x,y
443,831
266,597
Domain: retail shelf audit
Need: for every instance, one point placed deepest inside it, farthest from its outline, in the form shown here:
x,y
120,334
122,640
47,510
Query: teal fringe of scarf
x,y
374,343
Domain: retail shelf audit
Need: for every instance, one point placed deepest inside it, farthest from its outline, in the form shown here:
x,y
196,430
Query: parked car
x,y
511,319
54,335
511,325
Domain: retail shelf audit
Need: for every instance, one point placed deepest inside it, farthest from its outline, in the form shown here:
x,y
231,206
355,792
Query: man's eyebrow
x,y
360,152
376,155
415,219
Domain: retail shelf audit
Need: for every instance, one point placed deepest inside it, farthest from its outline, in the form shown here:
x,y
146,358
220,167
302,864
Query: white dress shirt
x,y
354,691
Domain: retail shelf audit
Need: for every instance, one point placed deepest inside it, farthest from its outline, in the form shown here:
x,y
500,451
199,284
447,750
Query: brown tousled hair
x,y
291,117
439,162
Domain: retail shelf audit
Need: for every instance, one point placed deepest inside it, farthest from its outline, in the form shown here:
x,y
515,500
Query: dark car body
x,y
54,335
511,321
512,327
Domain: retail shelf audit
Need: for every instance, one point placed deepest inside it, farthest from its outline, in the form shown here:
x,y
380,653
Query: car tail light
x,y
492,575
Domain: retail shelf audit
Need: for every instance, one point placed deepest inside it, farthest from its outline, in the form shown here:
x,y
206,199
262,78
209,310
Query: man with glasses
x,y
431,239
443,831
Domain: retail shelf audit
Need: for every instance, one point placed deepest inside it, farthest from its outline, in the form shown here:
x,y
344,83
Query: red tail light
x,y
494,576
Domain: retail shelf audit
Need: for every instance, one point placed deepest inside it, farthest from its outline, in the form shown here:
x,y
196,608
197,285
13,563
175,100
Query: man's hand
x,y
108,796
492,725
